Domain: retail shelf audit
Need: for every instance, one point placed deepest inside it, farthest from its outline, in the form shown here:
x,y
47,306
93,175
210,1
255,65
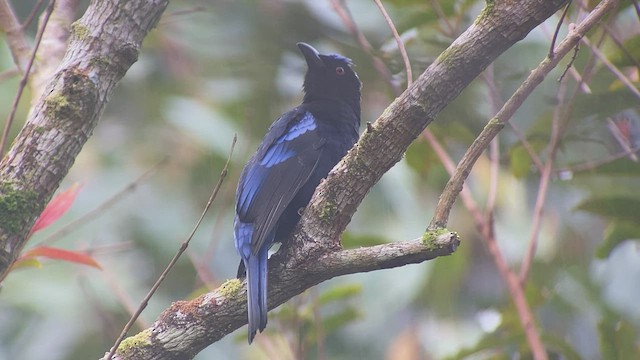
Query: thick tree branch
x,y
105,43
187,327
314,253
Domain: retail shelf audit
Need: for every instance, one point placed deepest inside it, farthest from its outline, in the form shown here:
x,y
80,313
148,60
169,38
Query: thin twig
x,y
15,37
607,28
637,7
122,296
494,150
179,15
347,20
117,197
451,30
557,31
173,261
625,141
456,184
32,15
545,177
621,76
506,112
25,76
572,70
396,35
8,74
576,49
527,146
591,165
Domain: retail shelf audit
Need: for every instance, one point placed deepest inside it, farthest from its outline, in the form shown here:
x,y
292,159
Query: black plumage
x,y
298,151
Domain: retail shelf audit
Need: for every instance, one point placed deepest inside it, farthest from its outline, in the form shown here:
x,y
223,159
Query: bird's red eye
x,y
340,70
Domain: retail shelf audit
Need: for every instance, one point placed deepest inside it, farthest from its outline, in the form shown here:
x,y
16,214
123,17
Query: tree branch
x,y
314,254
452,189
16,40
105,43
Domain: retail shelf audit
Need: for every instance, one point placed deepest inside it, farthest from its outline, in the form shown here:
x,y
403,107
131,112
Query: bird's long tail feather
x,y
257,292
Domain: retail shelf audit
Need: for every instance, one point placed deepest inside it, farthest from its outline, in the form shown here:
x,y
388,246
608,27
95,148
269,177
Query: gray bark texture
x,y
104,44
314,253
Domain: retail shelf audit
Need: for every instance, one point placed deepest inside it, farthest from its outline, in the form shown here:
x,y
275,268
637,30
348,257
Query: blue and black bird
x,y
298,151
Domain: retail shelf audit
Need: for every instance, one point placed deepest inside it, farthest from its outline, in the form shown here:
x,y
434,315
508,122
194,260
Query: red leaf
x,y
60,254
56,208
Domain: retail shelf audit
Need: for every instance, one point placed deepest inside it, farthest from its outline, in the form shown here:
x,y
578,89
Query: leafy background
x,y
215,68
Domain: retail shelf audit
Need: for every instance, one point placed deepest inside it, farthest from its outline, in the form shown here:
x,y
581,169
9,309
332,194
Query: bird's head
x,y
330,77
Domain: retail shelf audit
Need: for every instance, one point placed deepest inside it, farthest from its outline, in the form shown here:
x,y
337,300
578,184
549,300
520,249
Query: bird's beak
x,y
311,55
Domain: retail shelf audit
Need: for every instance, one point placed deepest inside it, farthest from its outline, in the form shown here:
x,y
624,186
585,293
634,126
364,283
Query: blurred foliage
x,y
215,68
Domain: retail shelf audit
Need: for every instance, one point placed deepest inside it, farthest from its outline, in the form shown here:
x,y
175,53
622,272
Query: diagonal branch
x,y
506,112
104,44
314,253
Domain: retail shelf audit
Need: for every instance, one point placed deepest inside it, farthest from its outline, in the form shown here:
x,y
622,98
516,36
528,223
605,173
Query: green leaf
x,y
519,161
617,340
421,157
604,104
614,208
616,233
620,58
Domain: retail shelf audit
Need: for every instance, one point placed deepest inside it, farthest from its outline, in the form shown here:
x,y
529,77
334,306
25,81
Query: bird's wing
x,y
281,166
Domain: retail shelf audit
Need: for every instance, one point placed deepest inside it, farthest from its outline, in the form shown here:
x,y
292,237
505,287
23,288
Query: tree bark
x,y
314,253
104,43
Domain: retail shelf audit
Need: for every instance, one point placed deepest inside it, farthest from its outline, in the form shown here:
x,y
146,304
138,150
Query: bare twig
x,y
527,146
545,177
506,112
623,140
637,7
396,36
451,30
104,206
456,183
557,32
16,39
572,70
183,247
25,76
621,76
576,49
8,74
590,165
347,20
123,297
607,28
494,150
32,14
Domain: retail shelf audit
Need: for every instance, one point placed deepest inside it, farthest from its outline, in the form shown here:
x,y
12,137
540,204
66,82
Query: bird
x,y
297,152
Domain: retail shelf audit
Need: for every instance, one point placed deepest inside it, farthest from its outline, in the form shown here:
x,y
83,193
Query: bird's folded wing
x,y
281,166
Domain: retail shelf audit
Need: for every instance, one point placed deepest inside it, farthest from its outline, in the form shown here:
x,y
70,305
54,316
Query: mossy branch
x,y
64,117
314,253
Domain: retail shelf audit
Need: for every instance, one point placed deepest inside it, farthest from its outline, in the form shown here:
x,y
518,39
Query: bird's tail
x,y
257,292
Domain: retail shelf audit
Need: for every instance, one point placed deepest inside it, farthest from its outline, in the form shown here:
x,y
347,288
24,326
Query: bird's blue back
x,y
298,151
